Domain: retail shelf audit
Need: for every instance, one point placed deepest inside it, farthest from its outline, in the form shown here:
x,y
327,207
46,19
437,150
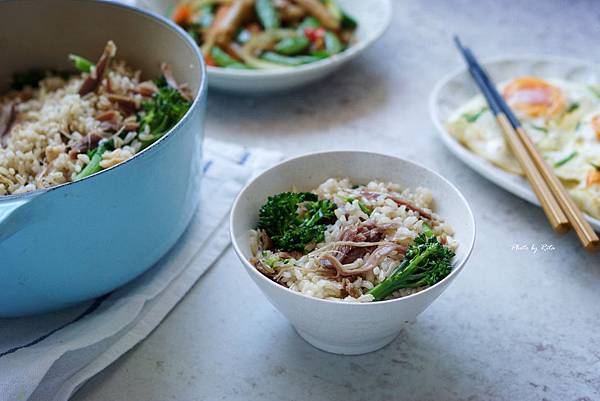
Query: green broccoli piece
x,y
294,220
162,112
426,263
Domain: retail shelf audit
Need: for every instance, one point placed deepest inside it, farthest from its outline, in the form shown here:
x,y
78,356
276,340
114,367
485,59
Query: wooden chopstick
x,y
557,218
582,228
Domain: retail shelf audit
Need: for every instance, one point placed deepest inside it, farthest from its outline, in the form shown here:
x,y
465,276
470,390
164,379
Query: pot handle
x,y
8,225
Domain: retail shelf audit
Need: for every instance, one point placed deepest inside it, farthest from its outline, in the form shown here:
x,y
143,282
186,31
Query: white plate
x,y
373,18
458,87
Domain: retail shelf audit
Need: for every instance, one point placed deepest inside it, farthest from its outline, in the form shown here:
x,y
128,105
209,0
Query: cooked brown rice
x,y
399,223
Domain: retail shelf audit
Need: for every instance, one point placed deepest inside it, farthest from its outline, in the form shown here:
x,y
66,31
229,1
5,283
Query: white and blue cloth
x,y
49,357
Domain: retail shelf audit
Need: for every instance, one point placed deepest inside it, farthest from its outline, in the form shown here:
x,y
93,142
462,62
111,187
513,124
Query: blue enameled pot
x,y
77,241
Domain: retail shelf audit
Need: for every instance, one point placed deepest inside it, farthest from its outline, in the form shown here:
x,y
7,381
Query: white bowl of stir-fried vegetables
x,y
315,244
266,45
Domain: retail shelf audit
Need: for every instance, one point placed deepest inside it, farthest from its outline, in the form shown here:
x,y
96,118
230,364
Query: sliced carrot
x,y
183,13
593,178
596,126
209,60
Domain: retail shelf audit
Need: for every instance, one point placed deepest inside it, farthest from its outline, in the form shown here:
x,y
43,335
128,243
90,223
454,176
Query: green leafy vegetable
x,y
82,64
295,220
161,113
426,263
566,159
348,22
472,117
572,107
94,165
366,209
594,165
539,128
595,91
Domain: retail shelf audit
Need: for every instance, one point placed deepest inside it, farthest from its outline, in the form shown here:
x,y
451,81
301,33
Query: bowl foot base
x,y
346,349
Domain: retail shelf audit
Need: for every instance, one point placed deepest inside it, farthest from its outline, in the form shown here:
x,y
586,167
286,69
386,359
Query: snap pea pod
x,y
206,16
288,60
82,64
292,46
309,22
267,14
94,165
332,43
320,54
223,59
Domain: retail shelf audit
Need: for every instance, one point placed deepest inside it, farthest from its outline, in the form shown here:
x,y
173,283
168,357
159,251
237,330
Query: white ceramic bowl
x,y
337,326
373,18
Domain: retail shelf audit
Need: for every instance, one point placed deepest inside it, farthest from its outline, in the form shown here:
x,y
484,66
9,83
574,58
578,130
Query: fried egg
x,y
561,117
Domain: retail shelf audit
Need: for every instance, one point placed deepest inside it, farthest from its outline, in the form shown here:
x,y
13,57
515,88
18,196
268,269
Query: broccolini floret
x,y
295,220
426,263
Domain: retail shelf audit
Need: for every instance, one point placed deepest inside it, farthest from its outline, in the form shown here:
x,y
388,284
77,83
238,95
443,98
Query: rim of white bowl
x,y
456,268
349,53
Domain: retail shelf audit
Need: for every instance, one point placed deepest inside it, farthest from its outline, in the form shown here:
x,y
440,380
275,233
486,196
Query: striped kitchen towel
x,y
49,357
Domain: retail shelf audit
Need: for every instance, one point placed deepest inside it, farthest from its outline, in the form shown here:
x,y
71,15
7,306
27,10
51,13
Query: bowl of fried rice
x,y
101,126
351,245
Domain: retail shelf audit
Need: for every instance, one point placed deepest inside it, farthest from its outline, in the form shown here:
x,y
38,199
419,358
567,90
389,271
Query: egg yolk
x,y
593,178
596,126
534,97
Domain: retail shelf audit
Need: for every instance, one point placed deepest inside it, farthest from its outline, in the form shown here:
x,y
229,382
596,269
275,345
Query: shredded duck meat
x,y
374,259
97,74
8,114
346,254
88,142
366,232
126,103
183,90
399,201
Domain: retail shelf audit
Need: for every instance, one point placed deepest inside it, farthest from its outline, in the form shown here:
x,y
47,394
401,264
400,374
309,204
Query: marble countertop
x,y
515,325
